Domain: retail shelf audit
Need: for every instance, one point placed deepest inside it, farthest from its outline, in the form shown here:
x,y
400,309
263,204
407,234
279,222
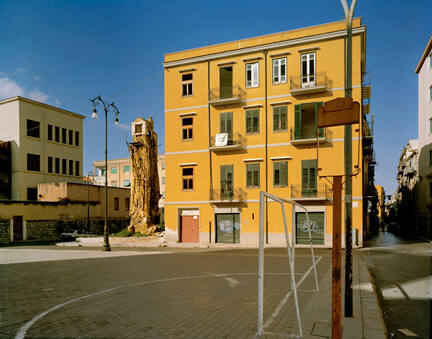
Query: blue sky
x,y
66,52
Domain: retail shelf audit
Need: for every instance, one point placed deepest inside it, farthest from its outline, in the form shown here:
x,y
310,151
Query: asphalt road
x,y
402,274
52,292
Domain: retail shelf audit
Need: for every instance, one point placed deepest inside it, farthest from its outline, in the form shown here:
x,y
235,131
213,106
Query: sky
x,y
64,53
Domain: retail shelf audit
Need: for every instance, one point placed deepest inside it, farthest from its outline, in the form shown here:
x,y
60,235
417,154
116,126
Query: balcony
x,y
310,84
312,193
235,195
223,142
326,136
233,95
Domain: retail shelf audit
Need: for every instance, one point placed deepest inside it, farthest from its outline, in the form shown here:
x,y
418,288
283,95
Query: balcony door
x,y
305,120
226,125
309,180
226,82
308,70
226,181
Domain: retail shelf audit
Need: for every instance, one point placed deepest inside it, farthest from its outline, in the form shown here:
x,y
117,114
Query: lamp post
x,y
95,101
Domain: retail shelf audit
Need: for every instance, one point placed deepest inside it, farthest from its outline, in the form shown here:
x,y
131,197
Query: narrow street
x,y
401,270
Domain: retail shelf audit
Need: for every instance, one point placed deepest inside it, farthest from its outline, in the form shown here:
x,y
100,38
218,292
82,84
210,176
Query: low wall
x,y
4,231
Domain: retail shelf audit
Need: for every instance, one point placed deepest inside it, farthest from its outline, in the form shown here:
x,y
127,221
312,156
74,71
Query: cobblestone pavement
x,y
179,293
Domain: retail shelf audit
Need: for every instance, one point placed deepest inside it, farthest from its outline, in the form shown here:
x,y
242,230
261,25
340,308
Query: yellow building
x,y
380,203
240,117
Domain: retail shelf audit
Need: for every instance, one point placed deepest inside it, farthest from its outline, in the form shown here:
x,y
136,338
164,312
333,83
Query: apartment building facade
x,y
424,72
240,117
45,142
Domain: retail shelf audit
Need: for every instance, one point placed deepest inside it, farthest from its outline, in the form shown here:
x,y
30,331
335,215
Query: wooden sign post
x,y
336,112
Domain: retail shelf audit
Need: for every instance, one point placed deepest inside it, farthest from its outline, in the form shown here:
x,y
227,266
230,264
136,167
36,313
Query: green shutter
x,y
276,169
297,122
256,121
317,106
275,118
222,122
248,122
283,117
284,173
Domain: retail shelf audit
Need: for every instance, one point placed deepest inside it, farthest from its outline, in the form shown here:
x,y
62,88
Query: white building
x,y
424,71
46,144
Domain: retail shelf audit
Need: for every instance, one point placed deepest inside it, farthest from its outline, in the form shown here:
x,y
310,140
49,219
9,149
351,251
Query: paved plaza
x,y
52,292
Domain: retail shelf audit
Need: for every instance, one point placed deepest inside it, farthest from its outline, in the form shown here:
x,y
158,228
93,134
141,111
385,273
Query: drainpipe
x,y
266,140
209,131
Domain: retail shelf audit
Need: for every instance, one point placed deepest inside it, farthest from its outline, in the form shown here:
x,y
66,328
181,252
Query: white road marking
x,y
23,330
287,296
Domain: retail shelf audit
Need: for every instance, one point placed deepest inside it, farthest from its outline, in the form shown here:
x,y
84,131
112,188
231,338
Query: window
x,y
113,170
430,158
50,164
77,139
252,75
126,168
126,183
163,165
77,168
187,176
33,162
50,132
308,69
309,187
64,135
163,180
57,165
252,121
227,181
31,193
70,137
103,171
57,134
280,173
252,175
305,120
187,126
114,183
116,204
186,84
280,114
138,128
127,203
64,166
33,128
279,71
70,167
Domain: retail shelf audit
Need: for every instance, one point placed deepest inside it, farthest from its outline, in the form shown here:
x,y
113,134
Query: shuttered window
x,y
187,178
309,186
280,117
252,74
252,176
252,121
280,173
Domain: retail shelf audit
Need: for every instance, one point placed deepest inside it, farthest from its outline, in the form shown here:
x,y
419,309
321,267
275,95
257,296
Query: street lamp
x,y
95,101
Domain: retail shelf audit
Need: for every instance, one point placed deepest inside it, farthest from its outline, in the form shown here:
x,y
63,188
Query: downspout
x,y
266,141
209,140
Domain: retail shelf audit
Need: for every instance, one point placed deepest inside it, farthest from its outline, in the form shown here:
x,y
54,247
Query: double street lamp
x,y
95,101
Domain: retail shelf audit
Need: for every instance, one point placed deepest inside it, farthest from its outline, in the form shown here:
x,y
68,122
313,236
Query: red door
x,y
17,228
189,228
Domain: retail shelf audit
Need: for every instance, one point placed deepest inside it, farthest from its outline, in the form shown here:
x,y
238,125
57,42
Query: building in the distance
x,y
424,72
241,117
45,145
381,203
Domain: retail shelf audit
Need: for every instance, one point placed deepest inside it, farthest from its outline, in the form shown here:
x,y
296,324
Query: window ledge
x,y
281,54
253,160
286,102
187,114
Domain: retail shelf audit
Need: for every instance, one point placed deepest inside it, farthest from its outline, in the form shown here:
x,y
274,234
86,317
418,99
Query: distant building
x,y
381,203
45,145
424,71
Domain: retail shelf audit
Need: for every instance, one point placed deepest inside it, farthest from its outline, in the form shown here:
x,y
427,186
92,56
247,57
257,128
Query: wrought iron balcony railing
x,y
227,195
325,135
227,95
316,192
310,83
227,141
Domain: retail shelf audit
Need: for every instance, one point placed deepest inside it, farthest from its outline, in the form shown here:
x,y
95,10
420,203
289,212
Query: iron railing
x,y
325,133
298,82
228,194
321,191
228,92
233,139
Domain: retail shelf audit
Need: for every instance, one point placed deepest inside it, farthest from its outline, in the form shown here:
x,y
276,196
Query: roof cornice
x,y
424,55
260,48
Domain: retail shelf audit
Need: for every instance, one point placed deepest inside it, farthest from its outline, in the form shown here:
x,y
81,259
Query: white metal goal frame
x,y
291,255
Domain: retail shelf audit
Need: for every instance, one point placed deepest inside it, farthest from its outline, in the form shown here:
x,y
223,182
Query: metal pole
x,y
348,165
88,207
261,264
336,258
106,245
